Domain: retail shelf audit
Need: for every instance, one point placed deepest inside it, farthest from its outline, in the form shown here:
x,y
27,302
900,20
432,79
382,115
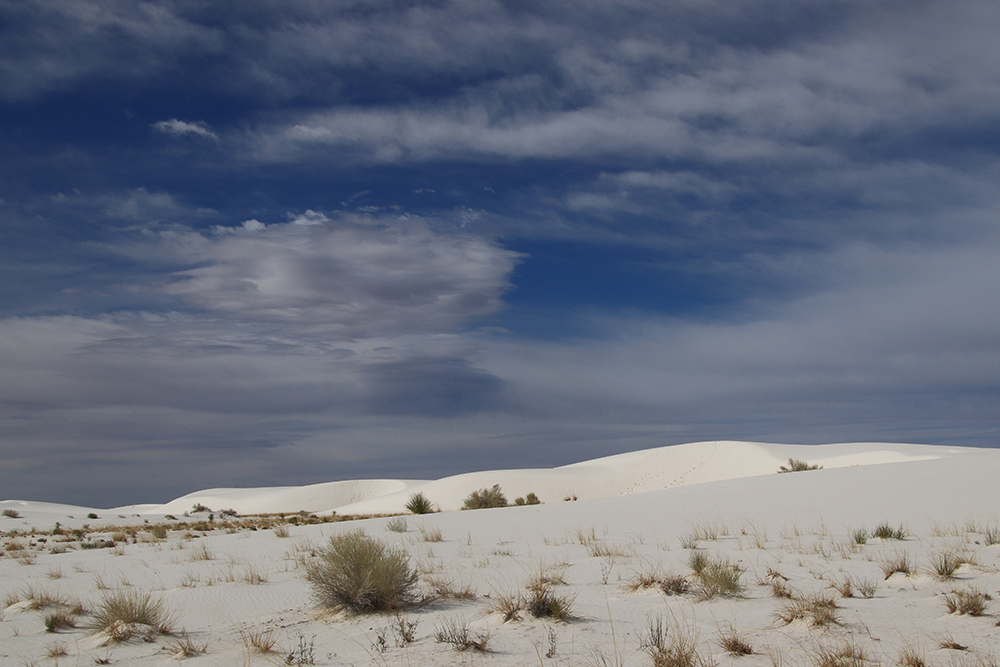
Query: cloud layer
x,y
302,241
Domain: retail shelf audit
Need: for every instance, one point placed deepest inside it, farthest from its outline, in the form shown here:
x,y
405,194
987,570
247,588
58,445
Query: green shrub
x,y
530,499
795,465
419,504
720,578
10,514
886,532
485,498
360,574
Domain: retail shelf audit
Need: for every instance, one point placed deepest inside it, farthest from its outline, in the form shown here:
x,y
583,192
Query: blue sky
x,y
269,243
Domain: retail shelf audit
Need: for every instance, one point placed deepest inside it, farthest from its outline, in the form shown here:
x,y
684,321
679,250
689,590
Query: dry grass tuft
x,y
257,639
900,562
971,602
126,613
677,649
719,578
360,574
457,633
428,534
945,564
842,655
908,657
732,643
817,610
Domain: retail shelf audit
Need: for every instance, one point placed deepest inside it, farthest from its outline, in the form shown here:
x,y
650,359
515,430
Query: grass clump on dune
x,y
360,574
796,465
126,613
485,498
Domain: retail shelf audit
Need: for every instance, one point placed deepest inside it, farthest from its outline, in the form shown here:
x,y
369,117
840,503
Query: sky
x,y
267,243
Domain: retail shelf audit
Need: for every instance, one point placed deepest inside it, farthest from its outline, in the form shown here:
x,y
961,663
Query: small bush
x,y
530,499
867,588
971,601
719,578
396,525
419,504
428,534
119,613
898,563
886,532
732,643
859,536
945,564
698,560
818,610
675,585
360,574
795,465
908,657
541,602
59,620
679,649
485,499
93,516
457,633
10,514
845,655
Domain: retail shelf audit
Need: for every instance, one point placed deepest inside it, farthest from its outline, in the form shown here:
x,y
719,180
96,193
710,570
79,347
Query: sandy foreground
x,y
618,557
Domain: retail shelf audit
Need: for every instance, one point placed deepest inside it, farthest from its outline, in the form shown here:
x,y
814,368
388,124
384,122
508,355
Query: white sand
x,y
633,513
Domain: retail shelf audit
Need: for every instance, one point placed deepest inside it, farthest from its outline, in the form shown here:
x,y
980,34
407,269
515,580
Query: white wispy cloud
x,y
181,128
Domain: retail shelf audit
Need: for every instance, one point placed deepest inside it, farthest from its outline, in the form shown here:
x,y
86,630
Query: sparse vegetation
x,y
884,531
11,514
457,633
719,577
972,602
900,562
529,499
485,499
677,649
130,612
360,574
732,643
817,610
396,525
796,465
419,504
945,564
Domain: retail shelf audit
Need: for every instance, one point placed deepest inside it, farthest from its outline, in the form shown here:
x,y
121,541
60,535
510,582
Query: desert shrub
x,y
457,633
541,602
719,578
396,525
198,507
971,601
281,530
859,536
530,499
844,655
485,498
908,657
818,610
419,504
675,584
508,605
897,563
991,535
93,516
677,649
867,588
360,574
428,534
159,532
886,532
698,560
58,620
945,564
732,643
10,514
257,639
795,465
780,589
118,614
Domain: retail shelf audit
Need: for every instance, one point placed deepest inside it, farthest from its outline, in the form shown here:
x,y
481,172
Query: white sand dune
x,y
635,514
